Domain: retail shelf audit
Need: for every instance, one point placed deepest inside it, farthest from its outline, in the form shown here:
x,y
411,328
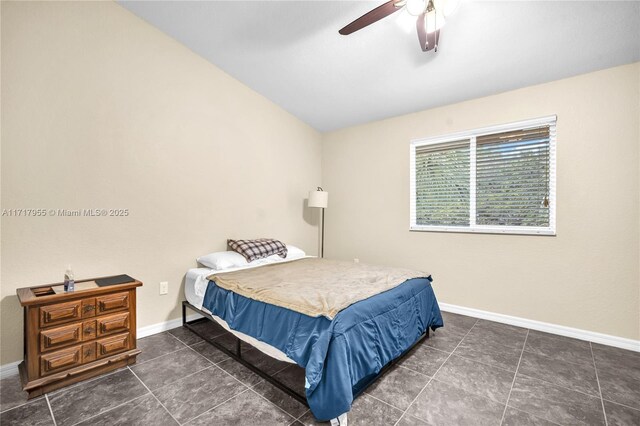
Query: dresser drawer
x,y
113,323
112,345
112,302
55,338
60,313
60,360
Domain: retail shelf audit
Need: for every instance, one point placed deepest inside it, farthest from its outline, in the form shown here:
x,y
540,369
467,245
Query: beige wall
x,y
586,277
101,110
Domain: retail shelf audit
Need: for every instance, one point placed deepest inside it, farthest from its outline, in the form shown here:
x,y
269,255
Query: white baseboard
x,y
152,329
576,333
11,369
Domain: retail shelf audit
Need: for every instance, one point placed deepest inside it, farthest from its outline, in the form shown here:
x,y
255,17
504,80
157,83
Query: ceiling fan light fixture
x,y
416,7
405,21
435,20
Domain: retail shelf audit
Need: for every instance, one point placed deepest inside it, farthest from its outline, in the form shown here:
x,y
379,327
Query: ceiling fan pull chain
x,y
437,35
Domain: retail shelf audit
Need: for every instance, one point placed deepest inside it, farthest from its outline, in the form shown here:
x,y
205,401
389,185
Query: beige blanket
x,y
314,287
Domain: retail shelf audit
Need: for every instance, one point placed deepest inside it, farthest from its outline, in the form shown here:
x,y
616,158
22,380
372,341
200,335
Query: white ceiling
x,y
291,52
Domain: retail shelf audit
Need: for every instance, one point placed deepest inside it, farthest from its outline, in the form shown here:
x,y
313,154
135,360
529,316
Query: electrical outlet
x,y
356,260
164,287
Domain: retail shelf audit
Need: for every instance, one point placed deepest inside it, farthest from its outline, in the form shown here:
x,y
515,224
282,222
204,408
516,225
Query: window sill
x,y
486,230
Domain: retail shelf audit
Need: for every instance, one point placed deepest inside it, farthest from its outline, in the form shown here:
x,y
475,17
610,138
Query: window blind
x,y
442,184
512,178
499,179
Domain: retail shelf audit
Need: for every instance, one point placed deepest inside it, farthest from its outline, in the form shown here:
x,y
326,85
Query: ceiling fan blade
x,y
428,41
372,16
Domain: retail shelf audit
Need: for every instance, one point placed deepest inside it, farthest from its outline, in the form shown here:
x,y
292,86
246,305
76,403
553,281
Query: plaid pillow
x,y
258,249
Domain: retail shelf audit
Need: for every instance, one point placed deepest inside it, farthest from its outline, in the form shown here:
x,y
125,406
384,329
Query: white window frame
x,y
471,135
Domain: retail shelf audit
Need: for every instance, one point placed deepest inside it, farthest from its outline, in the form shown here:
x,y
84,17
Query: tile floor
x,y
472,372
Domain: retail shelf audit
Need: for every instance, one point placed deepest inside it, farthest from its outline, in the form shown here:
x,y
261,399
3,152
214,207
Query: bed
x,y
344,340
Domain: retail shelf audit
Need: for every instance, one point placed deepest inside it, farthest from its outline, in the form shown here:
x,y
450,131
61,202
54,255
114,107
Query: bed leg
x,y
238,345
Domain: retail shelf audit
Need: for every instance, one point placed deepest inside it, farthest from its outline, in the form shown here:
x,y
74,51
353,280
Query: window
x,y
498,180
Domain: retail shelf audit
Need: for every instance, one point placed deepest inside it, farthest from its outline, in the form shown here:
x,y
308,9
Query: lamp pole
x,y
322,239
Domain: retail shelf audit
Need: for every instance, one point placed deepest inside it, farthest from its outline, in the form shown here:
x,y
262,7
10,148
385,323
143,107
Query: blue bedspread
x,y
340,356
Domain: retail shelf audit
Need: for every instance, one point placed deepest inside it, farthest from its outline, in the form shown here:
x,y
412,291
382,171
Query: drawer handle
x,y
89,308
89,330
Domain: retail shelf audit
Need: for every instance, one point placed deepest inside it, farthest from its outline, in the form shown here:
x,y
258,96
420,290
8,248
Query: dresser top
x,y
42,294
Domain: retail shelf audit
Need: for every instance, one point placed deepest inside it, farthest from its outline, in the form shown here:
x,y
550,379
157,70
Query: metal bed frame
x,y
237,355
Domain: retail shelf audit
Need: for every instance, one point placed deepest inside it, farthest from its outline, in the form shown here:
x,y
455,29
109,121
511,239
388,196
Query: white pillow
x,y
230,259
222,260
294,252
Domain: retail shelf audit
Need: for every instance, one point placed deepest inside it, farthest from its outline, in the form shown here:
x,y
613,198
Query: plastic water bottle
x,y
69,282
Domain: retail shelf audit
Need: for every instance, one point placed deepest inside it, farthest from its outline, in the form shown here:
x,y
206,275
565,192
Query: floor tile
x,y
145,410
489,352
262,361
185,335
398,387
474,377
11,393
35,413
578,377
193,395
618,386
169,368
619,415
85,382
157,345
78,403
309,420
444,340
280,398
365,411
559,347
619,374
240,372
506,335
444,404
246,408
424,359
513,417
209,329
210,352
408,420
553,403
455,328
616,359
458,323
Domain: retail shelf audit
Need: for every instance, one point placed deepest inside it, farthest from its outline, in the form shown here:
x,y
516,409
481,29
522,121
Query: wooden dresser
x,y
71,336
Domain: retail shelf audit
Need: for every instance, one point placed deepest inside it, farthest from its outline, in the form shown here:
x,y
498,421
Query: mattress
x,y
195,287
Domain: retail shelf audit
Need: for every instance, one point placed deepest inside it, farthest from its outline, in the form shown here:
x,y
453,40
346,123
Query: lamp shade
x,y
318,199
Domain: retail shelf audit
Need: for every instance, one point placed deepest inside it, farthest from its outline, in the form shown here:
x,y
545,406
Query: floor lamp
x,y
319,199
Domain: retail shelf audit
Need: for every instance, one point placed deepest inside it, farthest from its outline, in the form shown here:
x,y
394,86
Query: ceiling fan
x,y
430,15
